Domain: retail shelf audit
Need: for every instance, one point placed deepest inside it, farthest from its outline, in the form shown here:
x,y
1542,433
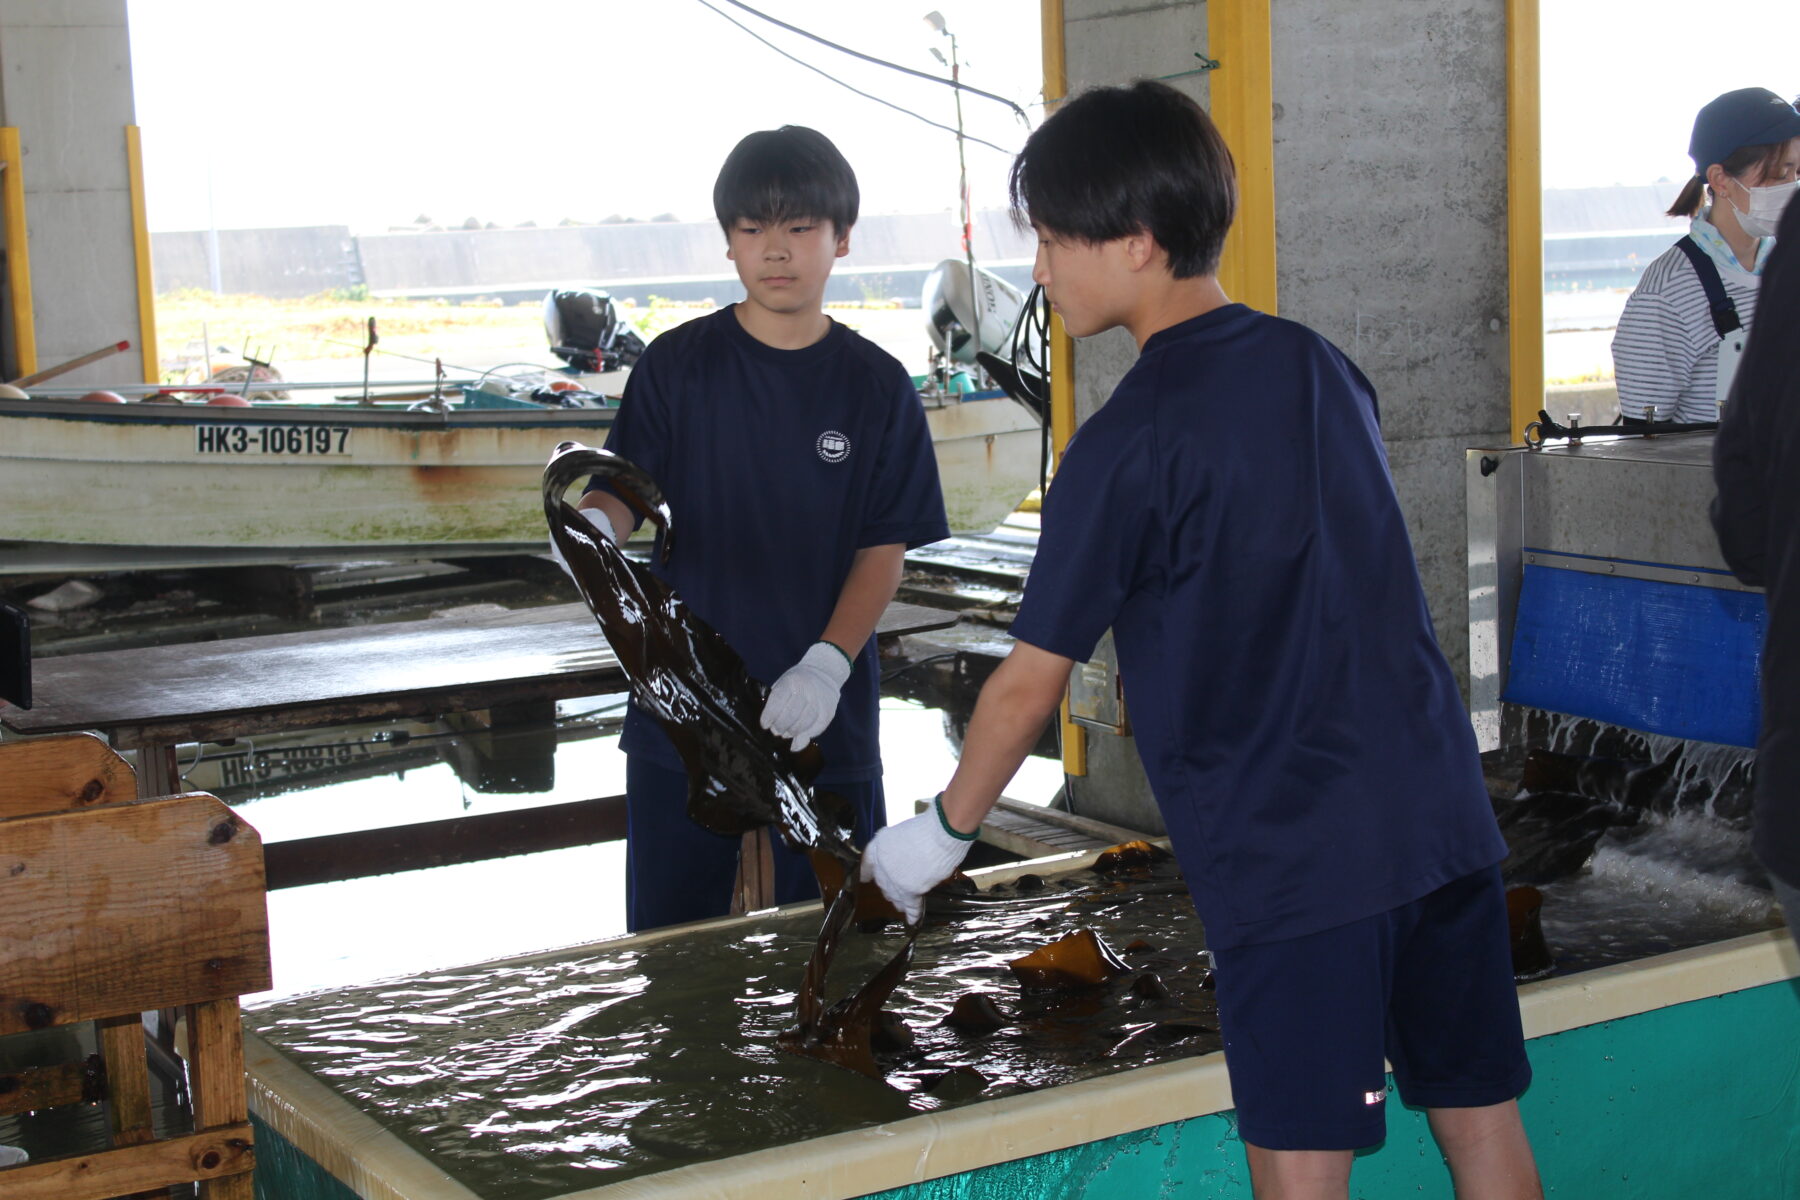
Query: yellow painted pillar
x,y
1062,428
1062,347
18,252
1525,213
140,240
1243,107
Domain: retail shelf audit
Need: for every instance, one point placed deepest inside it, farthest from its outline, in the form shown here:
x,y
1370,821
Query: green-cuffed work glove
x,y
909,859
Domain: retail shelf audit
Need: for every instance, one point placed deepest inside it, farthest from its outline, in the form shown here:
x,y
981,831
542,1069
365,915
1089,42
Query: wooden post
x,y
127,1079
216,1074
157,771
756,873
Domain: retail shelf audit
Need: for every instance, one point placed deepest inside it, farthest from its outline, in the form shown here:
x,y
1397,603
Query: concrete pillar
x,y
1390,186
1390,204
1115,42
65,83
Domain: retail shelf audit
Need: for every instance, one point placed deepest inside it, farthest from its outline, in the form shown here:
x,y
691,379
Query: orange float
x,y
104,398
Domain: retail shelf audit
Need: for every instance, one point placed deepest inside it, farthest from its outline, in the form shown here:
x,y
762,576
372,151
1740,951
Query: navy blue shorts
x,y
1307,1020
676,872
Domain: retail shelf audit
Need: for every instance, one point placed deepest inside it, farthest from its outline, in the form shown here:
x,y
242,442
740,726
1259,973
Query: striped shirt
x,y
1666,349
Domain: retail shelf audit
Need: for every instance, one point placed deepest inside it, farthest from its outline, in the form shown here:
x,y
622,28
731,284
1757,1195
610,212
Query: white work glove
x,y
805,698
602,525
909,859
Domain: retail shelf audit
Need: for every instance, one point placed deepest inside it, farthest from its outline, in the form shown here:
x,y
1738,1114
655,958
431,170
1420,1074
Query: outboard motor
x,y
956,304
585,330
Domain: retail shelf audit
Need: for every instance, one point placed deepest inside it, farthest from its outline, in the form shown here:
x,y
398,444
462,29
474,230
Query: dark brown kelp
x,y
1531,957
682,671
740,777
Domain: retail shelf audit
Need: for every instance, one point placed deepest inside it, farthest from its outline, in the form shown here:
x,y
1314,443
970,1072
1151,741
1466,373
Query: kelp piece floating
x,y
1080,960
1127,856
1531,957
976,1012
740,777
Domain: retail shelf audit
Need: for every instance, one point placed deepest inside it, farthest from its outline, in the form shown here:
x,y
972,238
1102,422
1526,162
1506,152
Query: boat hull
x,y
162,485
88,487
988,456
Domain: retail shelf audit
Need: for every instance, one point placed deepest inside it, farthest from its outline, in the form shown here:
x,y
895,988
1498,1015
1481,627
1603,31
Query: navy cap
x,y
1746,117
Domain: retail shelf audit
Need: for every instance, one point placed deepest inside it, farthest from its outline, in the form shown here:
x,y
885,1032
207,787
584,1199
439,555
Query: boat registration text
x,y
272,439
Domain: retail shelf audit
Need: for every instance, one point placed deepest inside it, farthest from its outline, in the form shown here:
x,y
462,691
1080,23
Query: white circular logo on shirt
x,y
832,446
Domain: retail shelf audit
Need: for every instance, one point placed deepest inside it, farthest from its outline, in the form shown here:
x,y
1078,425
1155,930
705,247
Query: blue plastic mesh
x,y
1658,657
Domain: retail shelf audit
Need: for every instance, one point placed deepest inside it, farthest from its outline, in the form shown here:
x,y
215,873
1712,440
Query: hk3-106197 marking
x,y
272,439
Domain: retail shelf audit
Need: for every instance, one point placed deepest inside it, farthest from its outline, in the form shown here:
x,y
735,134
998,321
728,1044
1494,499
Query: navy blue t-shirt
x,y
778,466
1229,514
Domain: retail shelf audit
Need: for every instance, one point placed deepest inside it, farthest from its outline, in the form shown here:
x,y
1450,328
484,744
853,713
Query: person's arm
x,y
1010,714
868,590
618,513
641,431
805,698
909,859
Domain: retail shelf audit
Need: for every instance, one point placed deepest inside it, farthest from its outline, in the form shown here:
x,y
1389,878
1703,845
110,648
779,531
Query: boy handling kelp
x,y
1230,516
796,459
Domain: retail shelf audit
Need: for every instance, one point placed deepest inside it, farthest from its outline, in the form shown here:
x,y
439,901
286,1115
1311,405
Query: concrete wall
x,y
616,255
1390,186
65,83
266,262
889,257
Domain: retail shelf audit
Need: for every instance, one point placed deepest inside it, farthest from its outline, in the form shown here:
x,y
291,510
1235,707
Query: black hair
x,y
779,174
1767,156
1116,161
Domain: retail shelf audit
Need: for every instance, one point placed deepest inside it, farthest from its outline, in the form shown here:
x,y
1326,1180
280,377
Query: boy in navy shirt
x,y
795,457
1229,515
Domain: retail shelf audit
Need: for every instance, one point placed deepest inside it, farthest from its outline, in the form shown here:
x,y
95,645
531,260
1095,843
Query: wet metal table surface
x,y
159,696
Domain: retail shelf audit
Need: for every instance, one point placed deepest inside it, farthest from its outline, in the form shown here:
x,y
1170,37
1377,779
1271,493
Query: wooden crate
x,y
121,906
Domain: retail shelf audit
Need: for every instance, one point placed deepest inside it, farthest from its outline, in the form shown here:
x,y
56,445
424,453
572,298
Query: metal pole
x,y
968,216
213,273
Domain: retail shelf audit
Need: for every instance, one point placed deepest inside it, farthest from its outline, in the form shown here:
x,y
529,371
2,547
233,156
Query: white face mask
x,y
1766,207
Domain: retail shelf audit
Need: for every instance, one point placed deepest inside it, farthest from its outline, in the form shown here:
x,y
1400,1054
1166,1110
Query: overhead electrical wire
x,y
882,62
849,87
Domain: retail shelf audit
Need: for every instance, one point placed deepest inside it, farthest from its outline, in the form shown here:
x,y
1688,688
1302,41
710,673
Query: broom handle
x,y
63,368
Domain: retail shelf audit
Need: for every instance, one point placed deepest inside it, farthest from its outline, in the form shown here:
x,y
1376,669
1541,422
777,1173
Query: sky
x,y
376,112
1623,79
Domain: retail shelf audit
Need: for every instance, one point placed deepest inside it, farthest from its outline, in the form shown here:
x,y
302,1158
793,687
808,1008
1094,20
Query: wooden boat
x,y
91,486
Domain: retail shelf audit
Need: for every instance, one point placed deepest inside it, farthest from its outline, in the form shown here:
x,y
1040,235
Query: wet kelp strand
x,y
740,777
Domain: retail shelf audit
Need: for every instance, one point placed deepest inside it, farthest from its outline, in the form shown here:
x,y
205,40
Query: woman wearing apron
x,y
1685,325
